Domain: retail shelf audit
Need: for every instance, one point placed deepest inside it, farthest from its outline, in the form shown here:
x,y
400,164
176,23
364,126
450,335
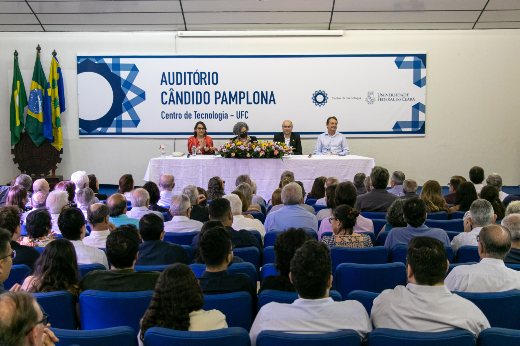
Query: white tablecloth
x,y
197,170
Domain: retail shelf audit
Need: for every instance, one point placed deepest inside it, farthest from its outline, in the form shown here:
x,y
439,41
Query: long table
x,y
197,170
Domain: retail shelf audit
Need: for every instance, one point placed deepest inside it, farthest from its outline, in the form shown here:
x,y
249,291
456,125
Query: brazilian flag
x,y
54,105
34,121
18,104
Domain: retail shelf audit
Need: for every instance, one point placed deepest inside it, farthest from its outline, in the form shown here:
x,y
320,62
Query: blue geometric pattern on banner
x,y
416,65
414,124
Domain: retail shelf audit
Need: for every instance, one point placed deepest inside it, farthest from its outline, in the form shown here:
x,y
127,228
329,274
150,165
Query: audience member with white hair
x,y
85,198
25,181
513,208
359,183
56,202
100,226
512,223
292,214
495,180
140,204
166,185
80,179
247,191
409,189
198,212
330,181
239,221
180,208
396,183
256,199
481,215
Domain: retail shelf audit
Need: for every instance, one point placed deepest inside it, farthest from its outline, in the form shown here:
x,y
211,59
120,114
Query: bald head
x,y
331,181
494,242
116,204
287,127
97,215
167,182
41,185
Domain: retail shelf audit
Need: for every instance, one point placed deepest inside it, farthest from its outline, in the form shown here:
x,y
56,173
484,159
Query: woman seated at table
x,y
200,139
126,186
465,195
431,194
330,199
343,221
38,226
216,188
240,130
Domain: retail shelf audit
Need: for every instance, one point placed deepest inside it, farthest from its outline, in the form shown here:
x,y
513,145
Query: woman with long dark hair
x,y
465,195
492,195
216,188
318,188
17,197
155,196
177,304
93,183
70,188
431,194
126,186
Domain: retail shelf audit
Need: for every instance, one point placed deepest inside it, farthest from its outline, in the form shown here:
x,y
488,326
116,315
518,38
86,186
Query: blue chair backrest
x,y
60,307
258,216
394,337
102,337
381,238
24,232
84,269
183,238
270,237
40,248
345,337
257,235
237,307
502,309
156,336
249,254
378,225
388,227
263,208
374,214
456,225
167,216
369,255
317,208
499,336
398,253
453,265
369,277
364,297
189,252
440,215
467,253
457,215
18,273
310,201
266,270
319,224
236,268
100,309
151,268
452,235
268,296
269,255
514,266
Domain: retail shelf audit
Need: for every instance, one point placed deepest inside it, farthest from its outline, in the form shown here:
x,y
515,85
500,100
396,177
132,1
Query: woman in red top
x,y
200,140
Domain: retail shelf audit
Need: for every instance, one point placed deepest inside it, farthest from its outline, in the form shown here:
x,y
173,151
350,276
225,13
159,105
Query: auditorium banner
x,y
372,95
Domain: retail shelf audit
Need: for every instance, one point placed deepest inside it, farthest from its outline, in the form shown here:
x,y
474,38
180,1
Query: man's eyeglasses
x,y
478,236
12,255
45,321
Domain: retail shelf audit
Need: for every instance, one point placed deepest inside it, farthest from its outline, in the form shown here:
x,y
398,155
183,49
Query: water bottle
x,y
193,151
328,150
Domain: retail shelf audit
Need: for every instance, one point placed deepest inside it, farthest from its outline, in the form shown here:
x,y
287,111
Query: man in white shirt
x,y
481,215
331,142
476,176
166,185
73,228
314,311
426,304
56,202
239,220
84,198
490,274
97,216
330,181
140,204
180,208
495,180
396,183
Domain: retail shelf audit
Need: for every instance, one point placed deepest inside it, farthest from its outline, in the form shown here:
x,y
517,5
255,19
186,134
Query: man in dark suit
x,y
289,138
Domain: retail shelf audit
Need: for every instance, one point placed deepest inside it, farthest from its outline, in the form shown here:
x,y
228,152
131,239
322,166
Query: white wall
x,y
472,104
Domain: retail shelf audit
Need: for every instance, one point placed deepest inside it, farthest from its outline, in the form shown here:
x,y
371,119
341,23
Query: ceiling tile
x,y
503,5
112,18
257,17
105,6
14,7
12,28
102,27
497,25
18,19
500,16
406,17
212,27
255,5
401,26
408,5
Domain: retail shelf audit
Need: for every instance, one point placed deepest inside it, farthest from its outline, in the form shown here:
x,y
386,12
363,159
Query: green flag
x,y
34,121
18,103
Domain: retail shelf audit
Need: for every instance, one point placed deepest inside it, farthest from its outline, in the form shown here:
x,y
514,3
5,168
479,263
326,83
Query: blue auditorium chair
x,y
100,337
369,277
269,255
237,307
151,268
18,273
378,225
456,225
453,265
189,252
374,214
266,270
264,209
60,307
249,254
182,238
457,215
317,208
268,296
467,253
311,201
394,337
369,255
257,236
499,336
270,236
40,248
84,269
398,253
236,268
364,297
273,338
381,238
452,235
440,215
99,310
156,336
258,216
514,266
23,231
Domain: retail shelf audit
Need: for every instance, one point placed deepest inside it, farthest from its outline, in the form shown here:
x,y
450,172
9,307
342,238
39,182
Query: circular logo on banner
x,y
319,98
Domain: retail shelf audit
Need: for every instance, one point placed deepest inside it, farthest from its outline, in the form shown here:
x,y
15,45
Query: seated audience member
x,y
490,274
216,249
177,304
307,207
7,255
41,185
202,192
394,216
292,214
359,183
126,186
396,183
285,246
38,200
80,180
118,207
154,193
330,199
513,208
409,189
276,198
73,227
22,321
512,223
481,215
180,208
346,194
368,184
10,221
330,181
140,205
511,198
153,250
38,227
476,176
414,213
216,188
244,203
122,252
241,222
287,175
70,189
245,188
198,212
490,194
195,243
426,304
343,220
431,194
314,311
56,202
280,205
93,183
243,178
84,199
17,197
256,199
56,270
378,199
465,195
25,181
166,185
318,188
455,181
97,217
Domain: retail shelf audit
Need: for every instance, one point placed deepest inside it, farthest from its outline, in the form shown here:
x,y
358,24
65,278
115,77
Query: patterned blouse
x,y
356,240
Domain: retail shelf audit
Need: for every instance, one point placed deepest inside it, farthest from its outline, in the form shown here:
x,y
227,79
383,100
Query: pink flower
x,y
276,152
262,153
232,154
248,155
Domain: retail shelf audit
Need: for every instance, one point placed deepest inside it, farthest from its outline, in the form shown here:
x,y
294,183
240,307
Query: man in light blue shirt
x,y
331,141
291,215
117,206
396,182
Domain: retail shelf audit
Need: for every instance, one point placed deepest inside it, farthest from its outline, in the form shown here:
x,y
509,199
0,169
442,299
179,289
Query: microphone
x,y
310,155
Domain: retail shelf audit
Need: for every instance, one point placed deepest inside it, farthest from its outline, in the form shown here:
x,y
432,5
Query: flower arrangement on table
x,y
257,150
